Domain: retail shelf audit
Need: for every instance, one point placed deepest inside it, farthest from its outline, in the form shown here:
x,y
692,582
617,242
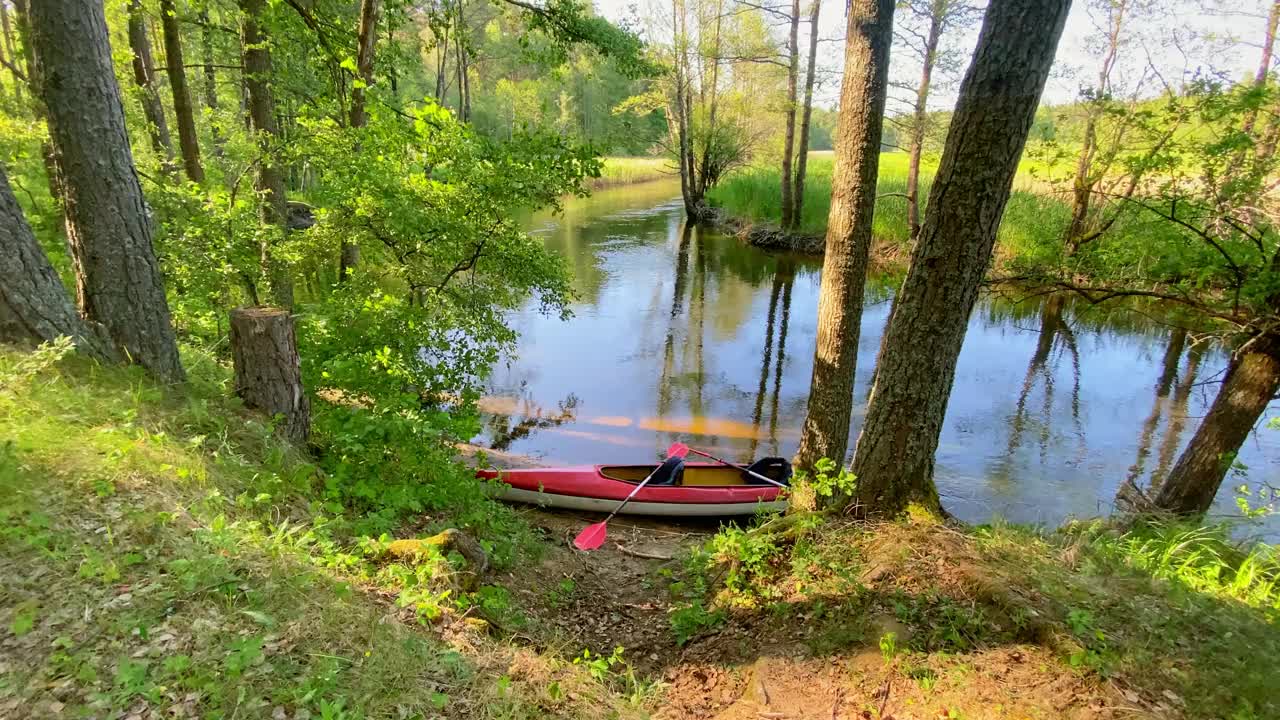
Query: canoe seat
x,y
774,468
670,472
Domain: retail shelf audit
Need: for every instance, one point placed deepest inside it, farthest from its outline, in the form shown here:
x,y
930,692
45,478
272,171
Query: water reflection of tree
x,y
1130,495
1054,332
666,380
783,280
504,432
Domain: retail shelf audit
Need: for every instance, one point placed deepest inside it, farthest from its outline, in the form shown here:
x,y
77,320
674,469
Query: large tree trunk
x,y
182,112
1251,383
268,370
921,118
366,38
789,137
868,37
262,115
802,147
998,99
117,275
34,307
144,77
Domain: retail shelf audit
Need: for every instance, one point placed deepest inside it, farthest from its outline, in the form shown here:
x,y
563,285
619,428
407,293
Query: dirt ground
x,y
758,666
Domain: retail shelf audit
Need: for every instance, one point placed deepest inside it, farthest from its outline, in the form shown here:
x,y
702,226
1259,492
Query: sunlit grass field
x,y
754,194
632,170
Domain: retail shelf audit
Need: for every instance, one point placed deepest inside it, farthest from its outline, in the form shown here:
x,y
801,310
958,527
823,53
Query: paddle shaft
x,y
752,473
632,494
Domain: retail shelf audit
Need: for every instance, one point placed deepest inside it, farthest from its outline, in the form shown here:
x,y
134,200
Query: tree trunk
x,y
366,39
182,112
1086,176
270,180
367,36
688,179
1252,380
22,18
789,137
10,49
997,104
117,276
34,307
920,119
868,37
210,72
144,77
802,147
268,370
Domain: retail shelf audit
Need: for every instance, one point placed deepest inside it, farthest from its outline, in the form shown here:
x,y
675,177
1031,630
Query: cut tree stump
x,y
268,369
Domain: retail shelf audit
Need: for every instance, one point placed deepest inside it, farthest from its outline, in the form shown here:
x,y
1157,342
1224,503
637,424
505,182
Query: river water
x,y
683,333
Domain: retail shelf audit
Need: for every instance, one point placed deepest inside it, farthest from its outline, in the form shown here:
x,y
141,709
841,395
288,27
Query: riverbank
x,y
165,556
618,171
1033,221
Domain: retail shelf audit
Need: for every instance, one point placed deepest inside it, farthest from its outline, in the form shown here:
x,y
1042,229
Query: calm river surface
x,y
683,333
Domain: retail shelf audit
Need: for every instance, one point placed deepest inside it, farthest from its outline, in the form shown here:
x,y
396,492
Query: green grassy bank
x,y
1031,231
619,171
165,556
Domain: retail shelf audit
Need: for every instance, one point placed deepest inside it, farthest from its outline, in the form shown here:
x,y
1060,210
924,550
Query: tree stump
x,y
268,369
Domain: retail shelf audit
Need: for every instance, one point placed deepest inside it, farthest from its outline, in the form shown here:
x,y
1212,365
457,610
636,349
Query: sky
x,y
1180,37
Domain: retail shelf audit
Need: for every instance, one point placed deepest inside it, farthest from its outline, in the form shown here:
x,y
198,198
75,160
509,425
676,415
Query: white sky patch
x,y
1182,37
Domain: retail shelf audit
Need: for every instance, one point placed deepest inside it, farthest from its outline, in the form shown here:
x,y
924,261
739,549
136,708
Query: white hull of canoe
x,y
574,502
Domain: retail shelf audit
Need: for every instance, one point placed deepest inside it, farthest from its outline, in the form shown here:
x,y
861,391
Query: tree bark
x,y
34,306
117,276
868,37
802,160
1252,380
998,98
367,37
268,370
789,137
144,77
920,116
188,140
262,116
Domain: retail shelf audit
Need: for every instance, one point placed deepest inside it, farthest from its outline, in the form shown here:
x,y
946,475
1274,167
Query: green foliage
x,y
1201,558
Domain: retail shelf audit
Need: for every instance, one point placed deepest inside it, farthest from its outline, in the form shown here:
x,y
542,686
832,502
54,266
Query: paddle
x,y
592,536
752,473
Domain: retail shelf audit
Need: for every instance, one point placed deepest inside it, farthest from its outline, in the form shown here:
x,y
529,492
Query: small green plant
x,y
889,646
692,619
561,593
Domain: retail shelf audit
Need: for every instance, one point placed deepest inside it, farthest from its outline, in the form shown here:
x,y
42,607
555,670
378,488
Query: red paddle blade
x,y
591,537
677,449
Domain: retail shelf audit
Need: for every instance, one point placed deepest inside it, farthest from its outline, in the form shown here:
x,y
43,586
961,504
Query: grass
x,y
1030,219
164,555
632,170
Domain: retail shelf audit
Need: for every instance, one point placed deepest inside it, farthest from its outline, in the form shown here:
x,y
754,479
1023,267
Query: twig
x,y
636,553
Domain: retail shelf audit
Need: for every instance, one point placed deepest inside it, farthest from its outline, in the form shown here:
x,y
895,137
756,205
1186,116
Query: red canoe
x,y
693,489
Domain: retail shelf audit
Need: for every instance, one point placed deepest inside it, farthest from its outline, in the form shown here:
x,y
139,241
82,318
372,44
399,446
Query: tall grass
x,y
1202,558
1032,221
632,170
